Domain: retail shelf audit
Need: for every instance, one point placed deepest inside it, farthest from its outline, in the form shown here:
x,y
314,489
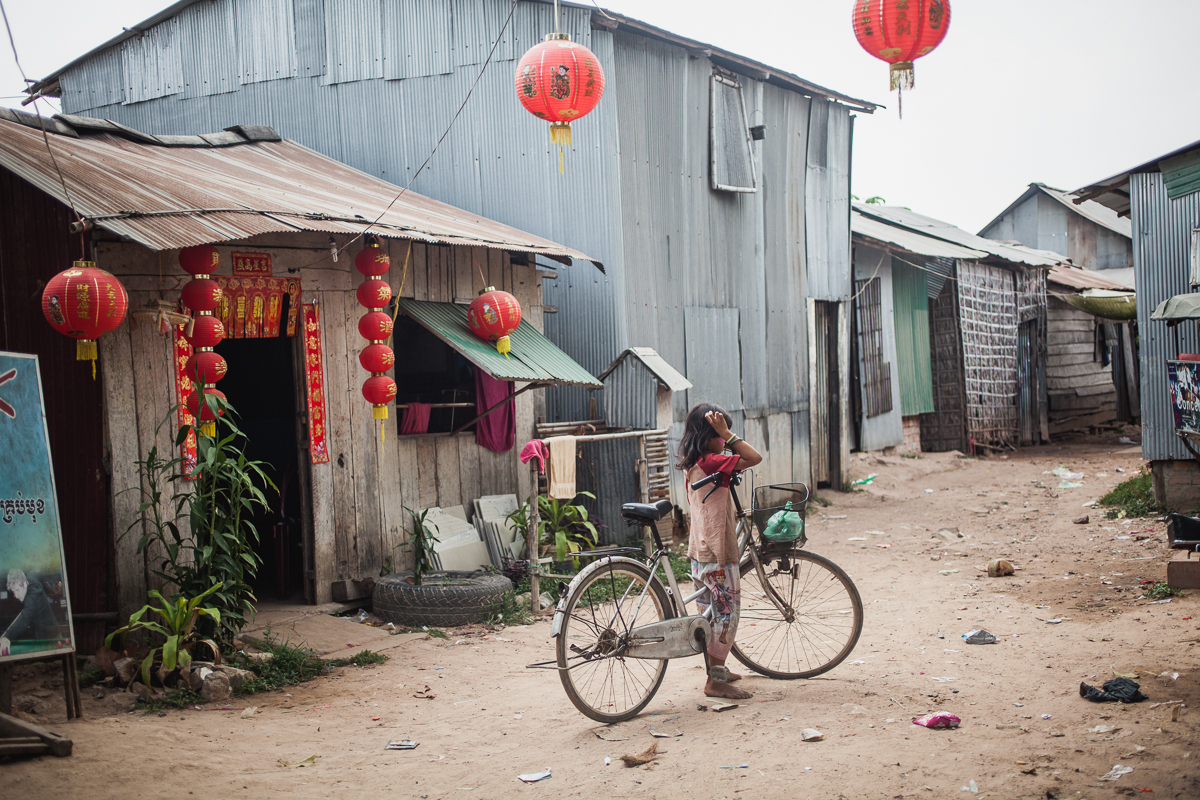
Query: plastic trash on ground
x,y
534,777
784,525
811,735
1066,474
1116,772
1070,485
866,480
1116,690
938,719
979,637
401,744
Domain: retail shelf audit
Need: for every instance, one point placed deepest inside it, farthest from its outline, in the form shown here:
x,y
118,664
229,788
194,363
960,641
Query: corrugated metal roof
x,y
1082,278
1182,174
667,375
534,358
1015,253
1097,213
908,240
1113,191
232,185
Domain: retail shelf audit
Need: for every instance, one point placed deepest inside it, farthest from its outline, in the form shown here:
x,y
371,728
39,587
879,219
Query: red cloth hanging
x,y
415,419
498,430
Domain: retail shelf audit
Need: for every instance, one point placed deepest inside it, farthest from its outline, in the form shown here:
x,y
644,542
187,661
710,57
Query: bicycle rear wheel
x,y
603,608
820,624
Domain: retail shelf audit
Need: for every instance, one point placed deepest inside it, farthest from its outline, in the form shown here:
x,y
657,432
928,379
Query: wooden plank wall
x,y
946,428
358,499
1082,392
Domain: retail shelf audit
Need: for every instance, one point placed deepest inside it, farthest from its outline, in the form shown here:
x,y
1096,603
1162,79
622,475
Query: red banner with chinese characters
x,y
183,388
251,265
252,308
314,373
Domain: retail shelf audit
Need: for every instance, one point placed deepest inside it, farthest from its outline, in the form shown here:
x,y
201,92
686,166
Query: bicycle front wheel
x,y
819,625
601,681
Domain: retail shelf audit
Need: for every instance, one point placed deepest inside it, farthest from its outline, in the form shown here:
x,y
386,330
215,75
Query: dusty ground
x,y
1025,733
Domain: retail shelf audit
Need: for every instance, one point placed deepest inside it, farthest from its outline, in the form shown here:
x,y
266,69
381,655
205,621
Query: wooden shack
x,y
343,515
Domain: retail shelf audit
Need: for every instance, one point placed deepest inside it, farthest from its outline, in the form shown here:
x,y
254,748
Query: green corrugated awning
x,y
1181,174
534,358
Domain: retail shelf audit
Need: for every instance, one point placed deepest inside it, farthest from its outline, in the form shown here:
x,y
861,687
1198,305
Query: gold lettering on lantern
x,y
83,300
112,301
903,24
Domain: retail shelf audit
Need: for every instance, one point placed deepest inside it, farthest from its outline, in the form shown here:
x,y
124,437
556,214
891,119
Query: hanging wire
x,y
42,123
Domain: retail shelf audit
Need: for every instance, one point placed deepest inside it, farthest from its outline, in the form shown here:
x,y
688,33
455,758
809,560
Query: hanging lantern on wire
x,y
899,32
202,296
84,302
559,81
375,326
493,316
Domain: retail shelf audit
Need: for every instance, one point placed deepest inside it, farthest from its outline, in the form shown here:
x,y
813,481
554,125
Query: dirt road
x,y
1025,732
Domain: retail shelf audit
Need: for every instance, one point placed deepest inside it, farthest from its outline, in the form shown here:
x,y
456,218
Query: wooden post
x,y
531,538
6,671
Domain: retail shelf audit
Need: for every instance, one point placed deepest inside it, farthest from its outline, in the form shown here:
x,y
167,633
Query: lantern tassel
x,y
379,412
85,350
209,429
903,76
503,346
560,132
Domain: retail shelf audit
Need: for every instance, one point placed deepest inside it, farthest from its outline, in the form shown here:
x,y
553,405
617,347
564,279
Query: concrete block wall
x,y
1176,484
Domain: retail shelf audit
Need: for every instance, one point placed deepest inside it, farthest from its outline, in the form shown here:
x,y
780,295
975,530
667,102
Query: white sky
x,y
1064,92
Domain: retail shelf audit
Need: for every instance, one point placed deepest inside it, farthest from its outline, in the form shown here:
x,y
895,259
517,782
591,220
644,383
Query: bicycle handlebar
x,y
698,485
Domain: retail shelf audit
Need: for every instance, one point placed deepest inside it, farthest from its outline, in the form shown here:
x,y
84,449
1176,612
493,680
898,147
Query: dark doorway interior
x,y
260,385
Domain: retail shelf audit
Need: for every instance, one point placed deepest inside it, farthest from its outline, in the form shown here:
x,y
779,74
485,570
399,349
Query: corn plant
x,y
423,539
177,628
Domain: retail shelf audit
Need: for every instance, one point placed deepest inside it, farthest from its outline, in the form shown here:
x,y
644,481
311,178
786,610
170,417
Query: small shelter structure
x,y
1161,198
134,199
985,302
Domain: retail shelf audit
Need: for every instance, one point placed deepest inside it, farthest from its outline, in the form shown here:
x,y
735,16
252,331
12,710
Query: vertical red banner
x,y
183,388
314,373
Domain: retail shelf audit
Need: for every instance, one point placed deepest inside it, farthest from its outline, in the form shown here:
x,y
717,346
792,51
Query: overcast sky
x,y
1063,92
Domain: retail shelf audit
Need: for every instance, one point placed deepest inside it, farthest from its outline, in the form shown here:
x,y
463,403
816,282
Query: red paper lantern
x,y
204,331
374,294
901,31
202,294
203,259
379,391
377,358
493,316
372,260
375,326
84,302
205,415
206,367
559,81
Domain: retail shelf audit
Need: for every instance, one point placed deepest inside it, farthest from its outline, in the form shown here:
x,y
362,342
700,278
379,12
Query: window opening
x,y
877,372
430,371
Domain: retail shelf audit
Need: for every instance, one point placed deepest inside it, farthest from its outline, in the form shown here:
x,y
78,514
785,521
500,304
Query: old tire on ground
x,y
443,600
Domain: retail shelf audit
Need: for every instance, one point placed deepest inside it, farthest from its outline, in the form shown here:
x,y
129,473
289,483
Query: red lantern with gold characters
x,y
202,296
901,31
559,81
374,294
377,358
84,302
205,415
376,327
493,316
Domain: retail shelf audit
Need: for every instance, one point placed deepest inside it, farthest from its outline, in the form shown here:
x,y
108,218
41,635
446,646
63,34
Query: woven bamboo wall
x,y
988,308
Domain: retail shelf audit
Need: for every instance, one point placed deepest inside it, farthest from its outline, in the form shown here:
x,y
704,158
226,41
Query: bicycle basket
x,y
778,511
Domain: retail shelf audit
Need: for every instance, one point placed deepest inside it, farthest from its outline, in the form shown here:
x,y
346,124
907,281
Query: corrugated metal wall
x,y
1162,232
634,195
914,370
631,396
884,429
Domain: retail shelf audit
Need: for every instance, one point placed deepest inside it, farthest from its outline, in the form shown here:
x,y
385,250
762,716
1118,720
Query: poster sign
x,y
35,610
251,265
1185,398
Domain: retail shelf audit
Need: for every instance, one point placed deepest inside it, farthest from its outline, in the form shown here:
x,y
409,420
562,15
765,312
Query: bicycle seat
x,y
646,512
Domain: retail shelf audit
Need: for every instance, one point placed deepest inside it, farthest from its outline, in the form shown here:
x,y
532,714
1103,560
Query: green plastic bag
x,y
785,525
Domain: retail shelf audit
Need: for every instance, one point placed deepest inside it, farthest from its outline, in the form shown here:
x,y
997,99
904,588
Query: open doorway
x,y
261,387
825,394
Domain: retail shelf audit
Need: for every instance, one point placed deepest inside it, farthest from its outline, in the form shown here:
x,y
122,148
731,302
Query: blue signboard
x,y
35,610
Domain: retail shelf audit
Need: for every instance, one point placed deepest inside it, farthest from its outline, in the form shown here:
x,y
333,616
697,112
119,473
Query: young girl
x,y
712,544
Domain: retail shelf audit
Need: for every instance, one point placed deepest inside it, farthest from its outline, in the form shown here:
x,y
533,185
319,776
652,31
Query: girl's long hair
x,y
697,433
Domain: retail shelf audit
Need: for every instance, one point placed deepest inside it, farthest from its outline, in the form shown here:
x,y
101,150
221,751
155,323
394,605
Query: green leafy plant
x,y
177,628
1161,590
183,697
219,501
565,526
1132,498
287,665
360,659
423,539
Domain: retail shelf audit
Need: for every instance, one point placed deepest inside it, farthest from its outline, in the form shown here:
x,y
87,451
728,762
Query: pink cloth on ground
x,y
535,448
415,418
498,430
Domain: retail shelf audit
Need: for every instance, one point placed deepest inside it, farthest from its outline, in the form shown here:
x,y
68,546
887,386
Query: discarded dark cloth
x,y
415,418
1117,690
535,448
498,430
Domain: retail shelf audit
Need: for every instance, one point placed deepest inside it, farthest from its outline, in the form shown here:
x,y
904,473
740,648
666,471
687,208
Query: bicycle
x,y
617,625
